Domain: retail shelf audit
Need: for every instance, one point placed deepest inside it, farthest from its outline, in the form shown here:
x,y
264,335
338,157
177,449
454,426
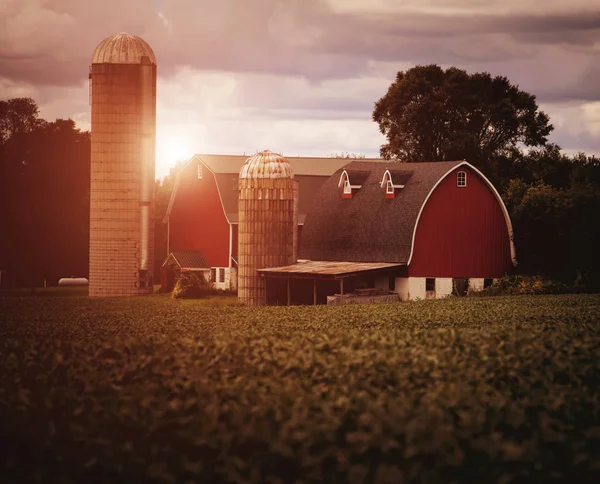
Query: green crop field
x,y
503,389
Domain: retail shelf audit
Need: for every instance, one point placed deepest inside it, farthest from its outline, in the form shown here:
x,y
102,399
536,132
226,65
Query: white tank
x,y
73,281
123,99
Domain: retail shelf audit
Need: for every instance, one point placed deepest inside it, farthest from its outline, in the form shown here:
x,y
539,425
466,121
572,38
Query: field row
x,y
456,390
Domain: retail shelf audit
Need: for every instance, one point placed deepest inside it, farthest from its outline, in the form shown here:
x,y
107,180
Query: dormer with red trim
x,y
351,181
393,181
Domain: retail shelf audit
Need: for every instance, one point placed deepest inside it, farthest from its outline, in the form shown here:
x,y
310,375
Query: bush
x,y
518,285
192,286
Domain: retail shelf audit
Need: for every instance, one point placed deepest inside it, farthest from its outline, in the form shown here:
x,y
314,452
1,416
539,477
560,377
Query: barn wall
x,y
462,232
402,288
234,241
197,220
443,287
230,282
476,284
416,288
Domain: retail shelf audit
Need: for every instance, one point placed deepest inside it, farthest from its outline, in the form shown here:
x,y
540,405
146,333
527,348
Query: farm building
x,y
420,230
182,261
202,215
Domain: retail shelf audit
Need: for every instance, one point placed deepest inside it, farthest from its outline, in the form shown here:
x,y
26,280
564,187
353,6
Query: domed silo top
x,y
123,48
266,164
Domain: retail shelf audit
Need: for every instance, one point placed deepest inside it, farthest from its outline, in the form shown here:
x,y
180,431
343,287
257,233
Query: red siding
x,y
197,220
234,241
462,232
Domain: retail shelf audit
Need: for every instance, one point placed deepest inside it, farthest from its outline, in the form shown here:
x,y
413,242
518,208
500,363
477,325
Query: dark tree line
x,y
431,114
44,196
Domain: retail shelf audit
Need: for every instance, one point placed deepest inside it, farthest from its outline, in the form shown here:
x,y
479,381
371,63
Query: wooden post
x,y
342,287
314,292
288,291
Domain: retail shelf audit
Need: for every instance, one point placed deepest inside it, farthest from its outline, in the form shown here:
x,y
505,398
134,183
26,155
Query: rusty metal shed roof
x,y
327,269
123,48
188,259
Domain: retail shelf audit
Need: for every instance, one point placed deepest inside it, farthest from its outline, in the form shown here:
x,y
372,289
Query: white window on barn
x,y
389,187
213,275
345,182
199,171
461,179
386,178
221,274
347,187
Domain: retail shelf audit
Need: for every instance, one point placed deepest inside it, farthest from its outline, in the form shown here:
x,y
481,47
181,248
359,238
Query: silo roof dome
x,y
266,164
122,48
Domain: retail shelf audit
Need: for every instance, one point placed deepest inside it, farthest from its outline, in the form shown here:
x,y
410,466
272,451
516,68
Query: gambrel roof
x,y
370,227
310,172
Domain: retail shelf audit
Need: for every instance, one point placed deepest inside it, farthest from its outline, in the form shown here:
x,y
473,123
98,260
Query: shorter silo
x,y
268,222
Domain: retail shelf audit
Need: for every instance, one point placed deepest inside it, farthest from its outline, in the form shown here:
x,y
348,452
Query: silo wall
x,y
267,232
122,178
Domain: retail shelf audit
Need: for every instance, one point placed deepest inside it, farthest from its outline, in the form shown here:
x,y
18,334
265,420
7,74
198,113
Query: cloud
x,y
302,75
577,126
51,41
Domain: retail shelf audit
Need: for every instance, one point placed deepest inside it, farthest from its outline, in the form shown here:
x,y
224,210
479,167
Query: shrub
x,y
518,285
192,286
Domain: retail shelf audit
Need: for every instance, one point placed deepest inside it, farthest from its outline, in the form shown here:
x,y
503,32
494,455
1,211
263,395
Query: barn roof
x,y
357,177
301,165
309,172
369,227
327,269
188,259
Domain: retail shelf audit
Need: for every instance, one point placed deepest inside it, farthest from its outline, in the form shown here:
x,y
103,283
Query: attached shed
x,y
180,262
312,282
443,221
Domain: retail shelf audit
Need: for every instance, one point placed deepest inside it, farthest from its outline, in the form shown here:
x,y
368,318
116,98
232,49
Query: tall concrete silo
x,y
268,221
123,99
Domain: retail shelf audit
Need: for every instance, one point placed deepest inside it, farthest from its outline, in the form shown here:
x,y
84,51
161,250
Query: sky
x,y
301,77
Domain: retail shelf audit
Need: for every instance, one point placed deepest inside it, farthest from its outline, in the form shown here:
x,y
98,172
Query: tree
x,y
555,233
431,114
18,115
44,195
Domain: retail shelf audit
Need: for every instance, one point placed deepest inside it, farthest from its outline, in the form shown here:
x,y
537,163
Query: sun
x,y
171,150
177,149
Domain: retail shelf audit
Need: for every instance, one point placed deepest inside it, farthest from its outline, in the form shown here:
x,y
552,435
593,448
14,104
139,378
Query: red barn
x,y
202,215
419,229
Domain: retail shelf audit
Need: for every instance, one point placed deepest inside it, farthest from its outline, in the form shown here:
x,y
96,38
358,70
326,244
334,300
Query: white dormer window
x,y
199,171
347,187
461,179
344,179
389,187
